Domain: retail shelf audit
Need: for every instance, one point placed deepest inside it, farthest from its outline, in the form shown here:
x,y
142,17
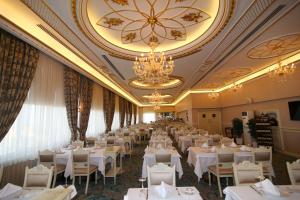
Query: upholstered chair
x,y
161,172
247,173
90,141
264,155
81,166
223,168
163,157
38,177
294,172
110,142
48,159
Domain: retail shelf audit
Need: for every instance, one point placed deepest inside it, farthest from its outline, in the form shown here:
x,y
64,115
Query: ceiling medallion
x,y
125,27
281,72
276,47
172,82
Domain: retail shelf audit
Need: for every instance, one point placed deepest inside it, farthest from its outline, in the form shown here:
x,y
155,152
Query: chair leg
x,y
226,181
209,179
103,179
79,180
96,177
87,184
54,180
73,181
219,185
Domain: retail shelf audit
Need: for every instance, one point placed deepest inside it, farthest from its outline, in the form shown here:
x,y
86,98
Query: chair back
x,y
243,156
90,141
78,144
80,162
47,158
38,177
263,154
247,173
101,144
225,158
163,158
110,141
200,141
294,172
161,172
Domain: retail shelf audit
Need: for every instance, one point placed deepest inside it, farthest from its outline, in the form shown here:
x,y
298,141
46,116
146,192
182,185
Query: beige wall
x,y
261,94
150,109
184,109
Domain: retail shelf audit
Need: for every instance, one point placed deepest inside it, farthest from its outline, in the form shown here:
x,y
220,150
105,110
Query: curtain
x,y
122,109
85,99
116,121
18,62
96,123
109,108
42,122
71,93
134,113
128,113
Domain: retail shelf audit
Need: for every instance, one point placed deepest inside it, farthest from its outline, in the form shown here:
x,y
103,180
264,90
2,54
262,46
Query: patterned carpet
x,y
133,167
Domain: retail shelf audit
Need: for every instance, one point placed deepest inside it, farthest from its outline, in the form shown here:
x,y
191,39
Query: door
x,y
210,121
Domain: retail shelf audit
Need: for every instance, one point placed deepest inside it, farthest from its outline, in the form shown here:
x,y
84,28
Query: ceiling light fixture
x,y
156,107
281,71
213,94
154,68
235,87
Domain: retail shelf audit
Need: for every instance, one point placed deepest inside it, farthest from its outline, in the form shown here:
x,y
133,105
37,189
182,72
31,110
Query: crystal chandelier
x,y
213,94
153,68
281,72
235,87
155,97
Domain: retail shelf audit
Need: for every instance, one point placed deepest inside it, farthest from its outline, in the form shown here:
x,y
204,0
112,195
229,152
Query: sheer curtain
x,y
148,117
116,122
42,122
96,124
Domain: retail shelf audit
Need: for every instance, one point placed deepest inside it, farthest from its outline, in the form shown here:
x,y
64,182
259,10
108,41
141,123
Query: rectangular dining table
x,y
287,192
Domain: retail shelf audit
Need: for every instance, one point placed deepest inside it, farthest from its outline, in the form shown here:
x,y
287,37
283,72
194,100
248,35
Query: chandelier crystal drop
x,y
213,94
156,107
153,68
281,72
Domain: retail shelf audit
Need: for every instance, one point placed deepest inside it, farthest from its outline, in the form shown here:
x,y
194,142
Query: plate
x,y
189,191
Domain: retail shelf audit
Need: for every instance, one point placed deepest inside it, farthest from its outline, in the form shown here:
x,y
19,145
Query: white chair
x,y
90,141
264,155
294,172
161,172
81,166
79,144
200,141
223,168
38,177
247,173
110,142
48,159
240,156
162,156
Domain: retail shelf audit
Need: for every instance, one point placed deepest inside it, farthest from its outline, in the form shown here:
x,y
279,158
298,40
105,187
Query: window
x,y
148,117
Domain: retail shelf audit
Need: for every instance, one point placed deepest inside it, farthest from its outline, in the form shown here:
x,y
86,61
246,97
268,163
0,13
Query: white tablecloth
x,y
288,192
149,160
145,194
97,158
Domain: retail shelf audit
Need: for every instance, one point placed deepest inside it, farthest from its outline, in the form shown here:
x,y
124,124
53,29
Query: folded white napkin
x,y
268,187
164,190
8,190
223,146
233,144
204,145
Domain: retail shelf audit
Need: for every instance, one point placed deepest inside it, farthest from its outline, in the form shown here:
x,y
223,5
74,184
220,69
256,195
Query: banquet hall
x,y
150,99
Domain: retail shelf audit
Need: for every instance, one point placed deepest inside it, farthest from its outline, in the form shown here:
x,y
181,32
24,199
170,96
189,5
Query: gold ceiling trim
x,y
174,81
276,47
228,7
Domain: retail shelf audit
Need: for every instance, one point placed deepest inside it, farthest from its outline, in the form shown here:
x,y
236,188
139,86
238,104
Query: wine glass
x,y
142,180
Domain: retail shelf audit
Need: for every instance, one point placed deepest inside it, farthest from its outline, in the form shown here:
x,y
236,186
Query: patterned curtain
x,y
18,62
122,110
85,103
134,113
128,113
71,93
108,108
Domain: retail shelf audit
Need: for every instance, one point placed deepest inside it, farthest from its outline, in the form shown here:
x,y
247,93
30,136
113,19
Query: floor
x,y
133,167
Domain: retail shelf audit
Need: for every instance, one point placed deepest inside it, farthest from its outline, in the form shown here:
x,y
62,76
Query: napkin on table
x,y
233,144
164,190
213,149
268,187
9,189
205,145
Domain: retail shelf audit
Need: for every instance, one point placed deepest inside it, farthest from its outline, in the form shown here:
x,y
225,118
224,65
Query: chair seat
x,y
267,169
222,171
78,171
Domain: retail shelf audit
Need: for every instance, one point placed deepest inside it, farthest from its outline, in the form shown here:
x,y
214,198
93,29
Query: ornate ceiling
x,y
215,42
126,27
